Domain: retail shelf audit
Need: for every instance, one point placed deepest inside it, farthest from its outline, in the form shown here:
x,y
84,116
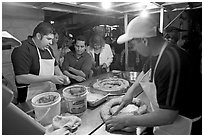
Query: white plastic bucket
x,y
45,112
76,99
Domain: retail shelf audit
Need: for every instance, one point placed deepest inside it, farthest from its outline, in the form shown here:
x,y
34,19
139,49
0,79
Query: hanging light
x,y
144,13
52,22
106,5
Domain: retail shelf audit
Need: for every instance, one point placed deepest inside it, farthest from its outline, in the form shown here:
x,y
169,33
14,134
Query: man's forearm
x,y
77,72
58,71
69,74
156,118
30,78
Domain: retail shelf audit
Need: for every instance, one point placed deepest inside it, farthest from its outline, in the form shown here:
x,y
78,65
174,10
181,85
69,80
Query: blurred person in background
x,y
66,46
77,64
101,54
54,47
172,34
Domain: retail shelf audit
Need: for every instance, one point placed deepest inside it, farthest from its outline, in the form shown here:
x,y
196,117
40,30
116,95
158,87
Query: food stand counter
x,y
91,117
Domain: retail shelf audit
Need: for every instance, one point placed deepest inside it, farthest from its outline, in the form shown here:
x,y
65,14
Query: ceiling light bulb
x,y
144,13
52,22
106,5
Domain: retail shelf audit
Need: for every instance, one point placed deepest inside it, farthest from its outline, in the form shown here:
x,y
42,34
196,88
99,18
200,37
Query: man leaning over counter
x,y
35,67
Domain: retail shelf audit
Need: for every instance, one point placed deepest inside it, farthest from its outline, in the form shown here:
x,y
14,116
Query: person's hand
x,y
66,80
57,79
104,65
126,100
97,68
180,42
117,122
71,68
79,78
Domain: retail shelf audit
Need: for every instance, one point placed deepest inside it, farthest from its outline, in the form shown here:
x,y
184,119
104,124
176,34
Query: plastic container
x,y
76,99
46,111
95,99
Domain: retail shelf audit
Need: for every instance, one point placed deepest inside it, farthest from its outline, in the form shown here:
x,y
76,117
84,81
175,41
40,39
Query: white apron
x,y
46,68
182,125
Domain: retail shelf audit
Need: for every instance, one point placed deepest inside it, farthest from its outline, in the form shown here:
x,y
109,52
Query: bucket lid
x,y
76,90
46,98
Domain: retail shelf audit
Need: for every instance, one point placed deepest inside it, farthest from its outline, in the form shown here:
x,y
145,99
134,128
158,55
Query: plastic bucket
x,y
46,105
75,99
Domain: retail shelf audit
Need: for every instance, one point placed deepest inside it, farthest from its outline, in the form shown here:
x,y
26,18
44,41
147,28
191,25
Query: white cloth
x,y
46,68
182,125
106,55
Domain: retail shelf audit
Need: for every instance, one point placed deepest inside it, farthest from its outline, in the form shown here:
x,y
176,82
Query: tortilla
x,y
111,84
71,122
137,107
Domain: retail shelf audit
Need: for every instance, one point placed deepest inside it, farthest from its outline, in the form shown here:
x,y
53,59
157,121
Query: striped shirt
x,y
173,79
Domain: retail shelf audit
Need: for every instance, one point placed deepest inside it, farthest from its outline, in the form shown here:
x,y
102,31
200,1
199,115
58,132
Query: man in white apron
x,y
34,65
163,84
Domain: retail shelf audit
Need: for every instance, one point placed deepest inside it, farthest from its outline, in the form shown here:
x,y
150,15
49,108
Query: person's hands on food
x,y
57,79
66,80
79,78
126,100
104,65
118,122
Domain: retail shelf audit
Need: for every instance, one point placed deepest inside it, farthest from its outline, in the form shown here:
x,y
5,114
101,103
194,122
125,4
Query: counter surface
x,y
91,117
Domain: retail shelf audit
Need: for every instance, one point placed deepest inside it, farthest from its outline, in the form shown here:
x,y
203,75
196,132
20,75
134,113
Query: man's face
x,y
172,36
56,38
80,47
139,46
46,40
68,42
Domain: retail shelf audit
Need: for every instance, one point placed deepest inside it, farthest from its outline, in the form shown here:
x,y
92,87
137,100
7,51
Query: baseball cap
x,y
139,27
10,39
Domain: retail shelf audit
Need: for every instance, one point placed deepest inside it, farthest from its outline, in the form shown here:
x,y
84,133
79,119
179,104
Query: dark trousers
x,y
22,94
148,131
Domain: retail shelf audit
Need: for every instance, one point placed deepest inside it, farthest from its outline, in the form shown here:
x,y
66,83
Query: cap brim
x,y
123,38
9,39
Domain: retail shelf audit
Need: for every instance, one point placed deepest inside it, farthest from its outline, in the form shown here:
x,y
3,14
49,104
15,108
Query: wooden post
x,y
161,19
126,43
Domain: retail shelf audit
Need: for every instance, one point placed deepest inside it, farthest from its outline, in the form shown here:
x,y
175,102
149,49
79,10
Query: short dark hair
x,y
81,38
44,28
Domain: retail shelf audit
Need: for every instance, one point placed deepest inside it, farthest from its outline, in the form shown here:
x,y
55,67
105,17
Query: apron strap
x,y
39,51
50,53
160,54
196,119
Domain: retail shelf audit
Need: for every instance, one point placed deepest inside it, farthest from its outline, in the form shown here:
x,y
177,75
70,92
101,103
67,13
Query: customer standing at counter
x,y
77,64
54,47
35,68
67,45
101,53
166,84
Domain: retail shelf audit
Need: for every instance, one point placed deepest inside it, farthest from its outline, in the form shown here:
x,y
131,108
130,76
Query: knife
x,y
114,114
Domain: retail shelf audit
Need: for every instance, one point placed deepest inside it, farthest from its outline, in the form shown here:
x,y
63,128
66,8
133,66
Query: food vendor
x,y
35,68
166,83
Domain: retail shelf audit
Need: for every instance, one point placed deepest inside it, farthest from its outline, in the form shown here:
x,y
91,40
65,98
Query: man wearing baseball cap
x,y
166,83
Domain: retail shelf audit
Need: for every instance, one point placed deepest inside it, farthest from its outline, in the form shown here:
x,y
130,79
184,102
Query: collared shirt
x,y
106,55
25,58
84,63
